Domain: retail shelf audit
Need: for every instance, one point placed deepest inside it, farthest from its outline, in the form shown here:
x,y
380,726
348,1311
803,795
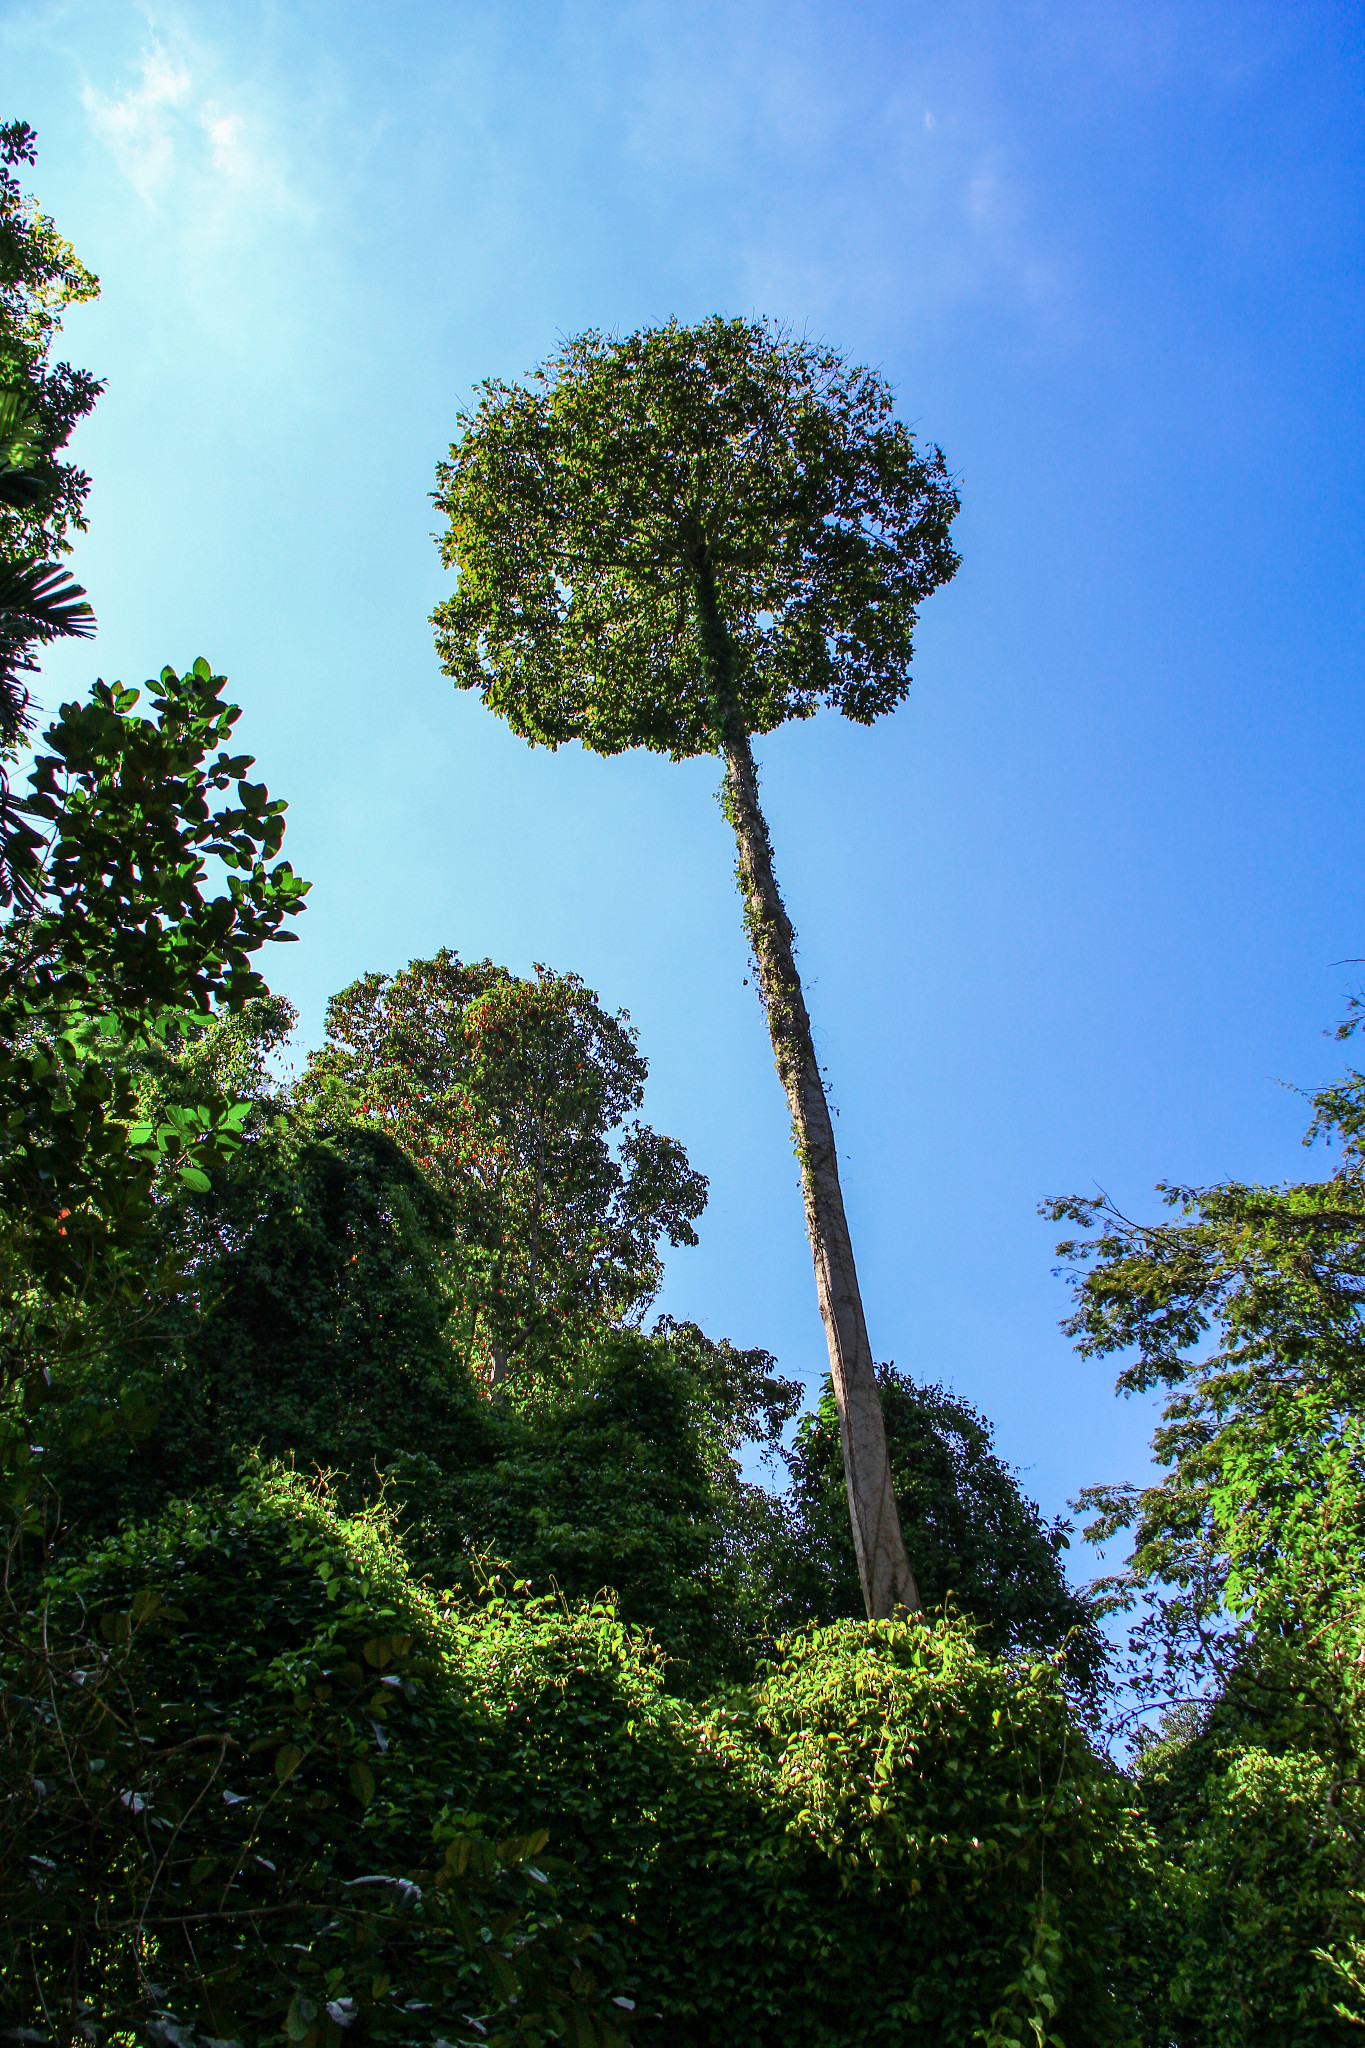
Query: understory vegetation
x,y
395,1644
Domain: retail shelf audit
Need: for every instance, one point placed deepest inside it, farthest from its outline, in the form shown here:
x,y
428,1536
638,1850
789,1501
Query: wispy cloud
x,y
179,142
212,192
139,126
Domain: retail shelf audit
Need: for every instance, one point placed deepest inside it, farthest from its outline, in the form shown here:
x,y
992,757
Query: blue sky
x,y
1078,911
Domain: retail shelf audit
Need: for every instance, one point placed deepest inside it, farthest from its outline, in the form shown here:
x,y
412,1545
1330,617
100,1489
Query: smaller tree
x,y
116,939
1246,1576
513,1096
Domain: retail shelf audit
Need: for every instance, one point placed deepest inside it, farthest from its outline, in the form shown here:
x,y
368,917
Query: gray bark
x,y
888,1582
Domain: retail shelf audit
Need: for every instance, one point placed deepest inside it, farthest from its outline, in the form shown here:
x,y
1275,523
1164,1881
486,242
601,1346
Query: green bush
x,y
894,1836
234,1800
973,1830
1250,1937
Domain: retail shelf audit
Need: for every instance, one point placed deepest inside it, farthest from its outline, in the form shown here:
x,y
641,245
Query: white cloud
x,y
179,144
224,132
211,174
139,126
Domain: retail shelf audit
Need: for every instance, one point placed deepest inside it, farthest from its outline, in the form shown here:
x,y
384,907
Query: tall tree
x,y
676,541
515,1097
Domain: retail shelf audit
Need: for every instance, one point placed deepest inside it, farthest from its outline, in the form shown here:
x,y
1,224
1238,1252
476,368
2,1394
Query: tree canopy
x,y
515,1097
396,1645
1245,1577
582,505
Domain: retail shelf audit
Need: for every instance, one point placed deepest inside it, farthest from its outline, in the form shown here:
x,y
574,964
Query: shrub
x,y
984,1852
893,1837
231,1806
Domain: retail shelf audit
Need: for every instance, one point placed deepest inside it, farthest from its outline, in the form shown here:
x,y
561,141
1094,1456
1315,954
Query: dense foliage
x,y
1246,1581
259,1765
393,1648
512,1095
235,1804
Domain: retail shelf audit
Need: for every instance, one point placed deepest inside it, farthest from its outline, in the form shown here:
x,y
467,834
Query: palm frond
x,y
41,601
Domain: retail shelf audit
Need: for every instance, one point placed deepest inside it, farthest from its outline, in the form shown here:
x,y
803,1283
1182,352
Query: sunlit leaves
x,y
128,819
512,1096
588,507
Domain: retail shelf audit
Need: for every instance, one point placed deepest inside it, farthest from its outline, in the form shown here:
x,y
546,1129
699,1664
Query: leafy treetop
x,y
600,513
513,1097
118,936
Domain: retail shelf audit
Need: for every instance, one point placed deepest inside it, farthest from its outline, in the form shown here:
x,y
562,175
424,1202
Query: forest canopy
x,y
407,1635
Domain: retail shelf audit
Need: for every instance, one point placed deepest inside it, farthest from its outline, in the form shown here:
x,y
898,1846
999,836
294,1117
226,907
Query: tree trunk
x,y
883,1567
